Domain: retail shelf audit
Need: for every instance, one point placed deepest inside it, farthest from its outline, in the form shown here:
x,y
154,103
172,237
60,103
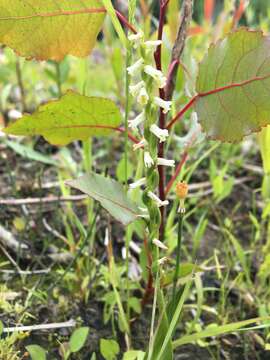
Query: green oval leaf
x,y
36,352
73,117
234,86
78,339
50,29
109,349
109,193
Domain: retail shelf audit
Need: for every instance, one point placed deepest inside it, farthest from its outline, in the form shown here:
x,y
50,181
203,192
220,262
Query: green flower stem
x,y
178,254
131,16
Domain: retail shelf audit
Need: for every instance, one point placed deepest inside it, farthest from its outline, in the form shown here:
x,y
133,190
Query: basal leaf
x,y
50,29
234,86
36,352
109,349
78,339
109,193
73,117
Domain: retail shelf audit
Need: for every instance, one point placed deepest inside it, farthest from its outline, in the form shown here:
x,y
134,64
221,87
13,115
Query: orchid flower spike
x,y
157,75
157,200
163,261
134,69
165,162
143,97
148,161
133,124
135,89
159,244
162,134
137,183
165,105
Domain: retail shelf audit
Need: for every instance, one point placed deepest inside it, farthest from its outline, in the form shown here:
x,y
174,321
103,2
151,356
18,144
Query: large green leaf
x,y
109,193
234,86
50,29
73,117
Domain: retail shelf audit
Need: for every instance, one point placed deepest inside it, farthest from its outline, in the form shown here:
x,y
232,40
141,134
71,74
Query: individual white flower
x,y
124,253
157,75
163,261
140,144
157,200
137,183
162,134
151,45
136,38
143,97
137,121
165,105
134,69
165,162
159,244
135,89
148,161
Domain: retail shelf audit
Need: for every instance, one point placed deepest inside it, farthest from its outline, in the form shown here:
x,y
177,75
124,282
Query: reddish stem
x,y
238,13
157,55
130,136
182,112
177,172
125,22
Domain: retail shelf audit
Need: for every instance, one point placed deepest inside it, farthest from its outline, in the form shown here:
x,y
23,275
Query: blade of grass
x,y
216,331
116,23
175,319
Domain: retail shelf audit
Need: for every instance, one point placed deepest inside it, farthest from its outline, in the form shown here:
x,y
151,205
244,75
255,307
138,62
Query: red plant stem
x,y
177,172
238,13
211,92
130,136
157,55
125,22
182,112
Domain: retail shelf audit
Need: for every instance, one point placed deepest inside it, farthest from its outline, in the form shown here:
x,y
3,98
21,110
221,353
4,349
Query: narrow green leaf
x,y
73,117
173,322
264,142
78,339
36,352
234,86
216,331
116,23
109,193
28,153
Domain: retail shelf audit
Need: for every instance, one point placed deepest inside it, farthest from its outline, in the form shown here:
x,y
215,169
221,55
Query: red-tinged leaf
x,y
73,117
234,86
